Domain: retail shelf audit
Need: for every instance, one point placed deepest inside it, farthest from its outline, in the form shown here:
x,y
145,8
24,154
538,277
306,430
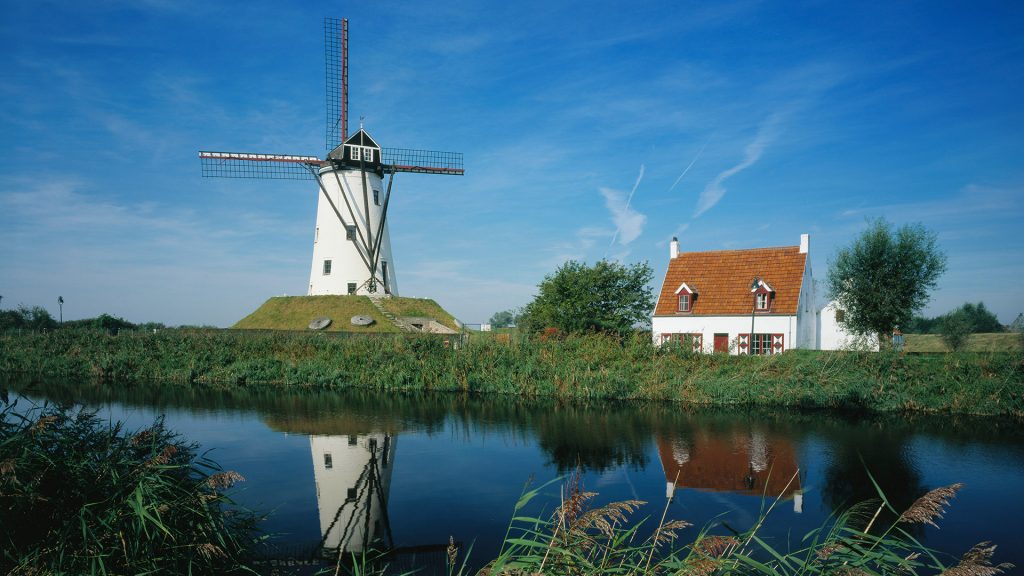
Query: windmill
x,y
351,244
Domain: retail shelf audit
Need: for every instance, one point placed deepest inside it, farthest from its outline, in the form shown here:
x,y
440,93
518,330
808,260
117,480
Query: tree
x,y
504,319
955,328
884,276
605,297
1018,324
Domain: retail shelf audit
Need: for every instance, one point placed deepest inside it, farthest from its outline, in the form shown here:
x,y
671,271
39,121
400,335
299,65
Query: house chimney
x,y
673,248
805,243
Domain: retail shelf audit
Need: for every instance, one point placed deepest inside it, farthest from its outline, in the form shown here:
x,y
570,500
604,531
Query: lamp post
x,y
60,306
753,307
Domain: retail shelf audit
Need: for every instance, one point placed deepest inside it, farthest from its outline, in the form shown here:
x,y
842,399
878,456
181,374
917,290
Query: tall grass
x,y
80,496
591,367
582,538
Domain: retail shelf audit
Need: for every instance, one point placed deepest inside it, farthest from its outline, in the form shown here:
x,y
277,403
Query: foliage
x,y
88,497
955,328
1018,324
979,319
885,275
606,297
577,368
505,318
580,538
24,318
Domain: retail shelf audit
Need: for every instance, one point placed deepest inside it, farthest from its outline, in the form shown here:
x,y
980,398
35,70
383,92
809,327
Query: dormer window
x,y
686,297
762,295
684,302
762,300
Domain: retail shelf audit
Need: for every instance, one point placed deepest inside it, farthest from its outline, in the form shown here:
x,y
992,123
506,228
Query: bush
x,y
956,328
86,497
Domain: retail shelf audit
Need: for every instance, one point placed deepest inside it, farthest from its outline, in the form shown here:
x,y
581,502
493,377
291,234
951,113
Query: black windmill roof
x,y
360,138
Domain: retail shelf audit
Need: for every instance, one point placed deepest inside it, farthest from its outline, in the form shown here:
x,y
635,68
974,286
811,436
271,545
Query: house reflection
x,y
748,462
353,479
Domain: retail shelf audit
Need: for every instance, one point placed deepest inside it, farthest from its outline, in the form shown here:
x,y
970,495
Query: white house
x,y
756,301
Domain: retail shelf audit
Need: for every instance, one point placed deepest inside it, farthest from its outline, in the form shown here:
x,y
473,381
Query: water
x,y
418,469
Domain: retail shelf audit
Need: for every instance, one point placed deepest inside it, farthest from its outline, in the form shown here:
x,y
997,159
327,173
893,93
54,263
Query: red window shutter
x,y
778,343
743,344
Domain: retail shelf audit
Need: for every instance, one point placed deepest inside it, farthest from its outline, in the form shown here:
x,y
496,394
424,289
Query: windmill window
x,y
316,235
368,154
350,232
351,494
384,272
376,197
328,461
351,287
327,267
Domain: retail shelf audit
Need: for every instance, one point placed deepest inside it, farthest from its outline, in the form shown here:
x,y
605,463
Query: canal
x,y
343,470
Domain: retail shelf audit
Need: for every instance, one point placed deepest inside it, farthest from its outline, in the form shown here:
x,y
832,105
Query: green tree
x,y
605,297
955,329
504,319
884,276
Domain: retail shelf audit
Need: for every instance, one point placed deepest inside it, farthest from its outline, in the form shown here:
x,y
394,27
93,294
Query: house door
x,y
722,343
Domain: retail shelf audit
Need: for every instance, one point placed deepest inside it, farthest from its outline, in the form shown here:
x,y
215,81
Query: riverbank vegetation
x,y
564,367
81,496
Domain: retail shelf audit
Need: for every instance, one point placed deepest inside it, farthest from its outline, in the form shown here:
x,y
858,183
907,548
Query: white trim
x,y
683,286
762,284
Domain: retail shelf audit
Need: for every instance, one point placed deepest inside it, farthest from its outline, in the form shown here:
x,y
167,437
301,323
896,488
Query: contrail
x,y
629,199
692,162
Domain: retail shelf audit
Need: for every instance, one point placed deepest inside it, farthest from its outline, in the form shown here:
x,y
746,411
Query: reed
x,y
581,368
580,538
80,496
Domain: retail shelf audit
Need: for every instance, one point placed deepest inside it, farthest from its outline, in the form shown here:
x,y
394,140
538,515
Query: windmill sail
x,y
422,161
261,166
336,79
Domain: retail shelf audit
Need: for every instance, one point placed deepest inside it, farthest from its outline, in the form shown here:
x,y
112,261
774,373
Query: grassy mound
x,y
295,313
420,307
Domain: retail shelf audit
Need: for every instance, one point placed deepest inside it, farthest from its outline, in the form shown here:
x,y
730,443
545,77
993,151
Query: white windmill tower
x,y
351,244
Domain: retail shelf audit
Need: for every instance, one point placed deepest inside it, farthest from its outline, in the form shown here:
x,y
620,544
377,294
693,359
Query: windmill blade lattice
x,y
422,161
260,166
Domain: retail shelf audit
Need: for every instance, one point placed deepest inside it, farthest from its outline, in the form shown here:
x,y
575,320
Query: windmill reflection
x,y
353,479
749,462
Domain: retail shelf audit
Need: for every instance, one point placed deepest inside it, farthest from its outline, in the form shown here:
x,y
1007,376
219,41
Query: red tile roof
x,y
722,279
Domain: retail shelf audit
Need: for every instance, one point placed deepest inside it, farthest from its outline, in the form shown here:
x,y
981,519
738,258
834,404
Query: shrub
x,y
956,328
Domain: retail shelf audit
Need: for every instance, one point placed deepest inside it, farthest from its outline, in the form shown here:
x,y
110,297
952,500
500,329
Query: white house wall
x,y
833,335
806,317
329,237
708,326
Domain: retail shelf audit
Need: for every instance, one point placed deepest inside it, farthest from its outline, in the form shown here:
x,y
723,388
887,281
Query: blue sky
x,y
590,130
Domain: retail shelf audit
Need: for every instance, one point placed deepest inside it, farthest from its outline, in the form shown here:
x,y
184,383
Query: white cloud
x,y
715,189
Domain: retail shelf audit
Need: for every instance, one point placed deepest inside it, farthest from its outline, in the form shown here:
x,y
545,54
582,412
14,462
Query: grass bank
x,y
992,342
590,367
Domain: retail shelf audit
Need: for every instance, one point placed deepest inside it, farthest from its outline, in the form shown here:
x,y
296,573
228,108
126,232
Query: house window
x,y
762,300
684,302
840,315
350,232
351,287
328,461
376,197
327,267
762,344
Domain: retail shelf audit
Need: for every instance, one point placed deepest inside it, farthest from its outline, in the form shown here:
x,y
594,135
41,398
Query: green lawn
x,y
997,342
